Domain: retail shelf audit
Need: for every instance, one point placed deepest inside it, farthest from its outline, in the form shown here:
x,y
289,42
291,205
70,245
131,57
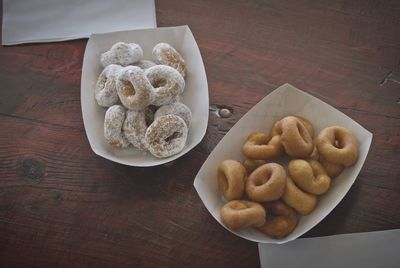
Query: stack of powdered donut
x,y
261,194
142,98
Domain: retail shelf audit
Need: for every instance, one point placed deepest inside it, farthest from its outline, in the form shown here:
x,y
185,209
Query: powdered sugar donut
x,y
167,82
145,64
122,53
166,136
135,128
167,55
113,122
176,108
106,87
134,90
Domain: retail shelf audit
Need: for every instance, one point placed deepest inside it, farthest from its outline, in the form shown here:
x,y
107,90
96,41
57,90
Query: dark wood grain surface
x,y
62,205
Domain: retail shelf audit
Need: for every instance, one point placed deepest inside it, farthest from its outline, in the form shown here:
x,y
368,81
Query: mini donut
x,y
231,175
338,145
135,127
105,91
240,214
134,89
295,138
301,201
281,219
259,145
277,128
167,55
266,183
176,108
333,170
166,136
251,164
145,64
310,176
113,132
122,53
168,83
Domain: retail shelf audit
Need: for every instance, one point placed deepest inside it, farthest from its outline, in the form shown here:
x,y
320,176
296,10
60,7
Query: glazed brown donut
x,y
134,90
259,145
338,145
295,138
251,164
333,170
240,214
301,201
277,128
281,219
310,176
168,83
266,183
231,175
113,121
167,55
166,136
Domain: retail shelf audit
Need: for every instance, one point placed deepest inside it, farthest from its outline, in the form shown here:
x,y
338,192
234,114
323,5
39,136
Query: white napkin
x,y
372,249
28,21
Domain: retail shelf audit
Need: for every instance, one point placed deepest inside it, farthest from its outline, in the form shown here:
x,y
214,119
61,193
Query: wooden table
x,y
62,205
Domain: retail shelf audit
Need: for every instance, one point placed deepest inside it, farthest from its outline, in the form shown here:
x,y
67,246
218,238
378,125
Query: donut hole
x,y
128,89
174,135
338,143
261,180
159,82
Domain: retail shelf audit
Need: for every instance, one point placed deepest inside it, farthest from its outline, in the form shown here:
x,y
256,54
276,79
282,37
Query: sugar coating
x,y
113,121
168,83
106,87
176,108
166,54
122,53
166,136
134,89
135,128
145,64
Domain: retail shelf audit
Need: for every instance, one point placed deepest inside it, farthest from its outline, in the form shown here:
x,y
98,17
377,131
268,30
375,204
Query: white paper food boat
x,y
195,95
285,100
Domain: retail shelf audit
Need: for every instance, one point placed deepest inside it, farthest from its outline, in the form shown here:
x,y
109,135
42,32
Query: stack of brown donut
x,y
142,98
262,194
